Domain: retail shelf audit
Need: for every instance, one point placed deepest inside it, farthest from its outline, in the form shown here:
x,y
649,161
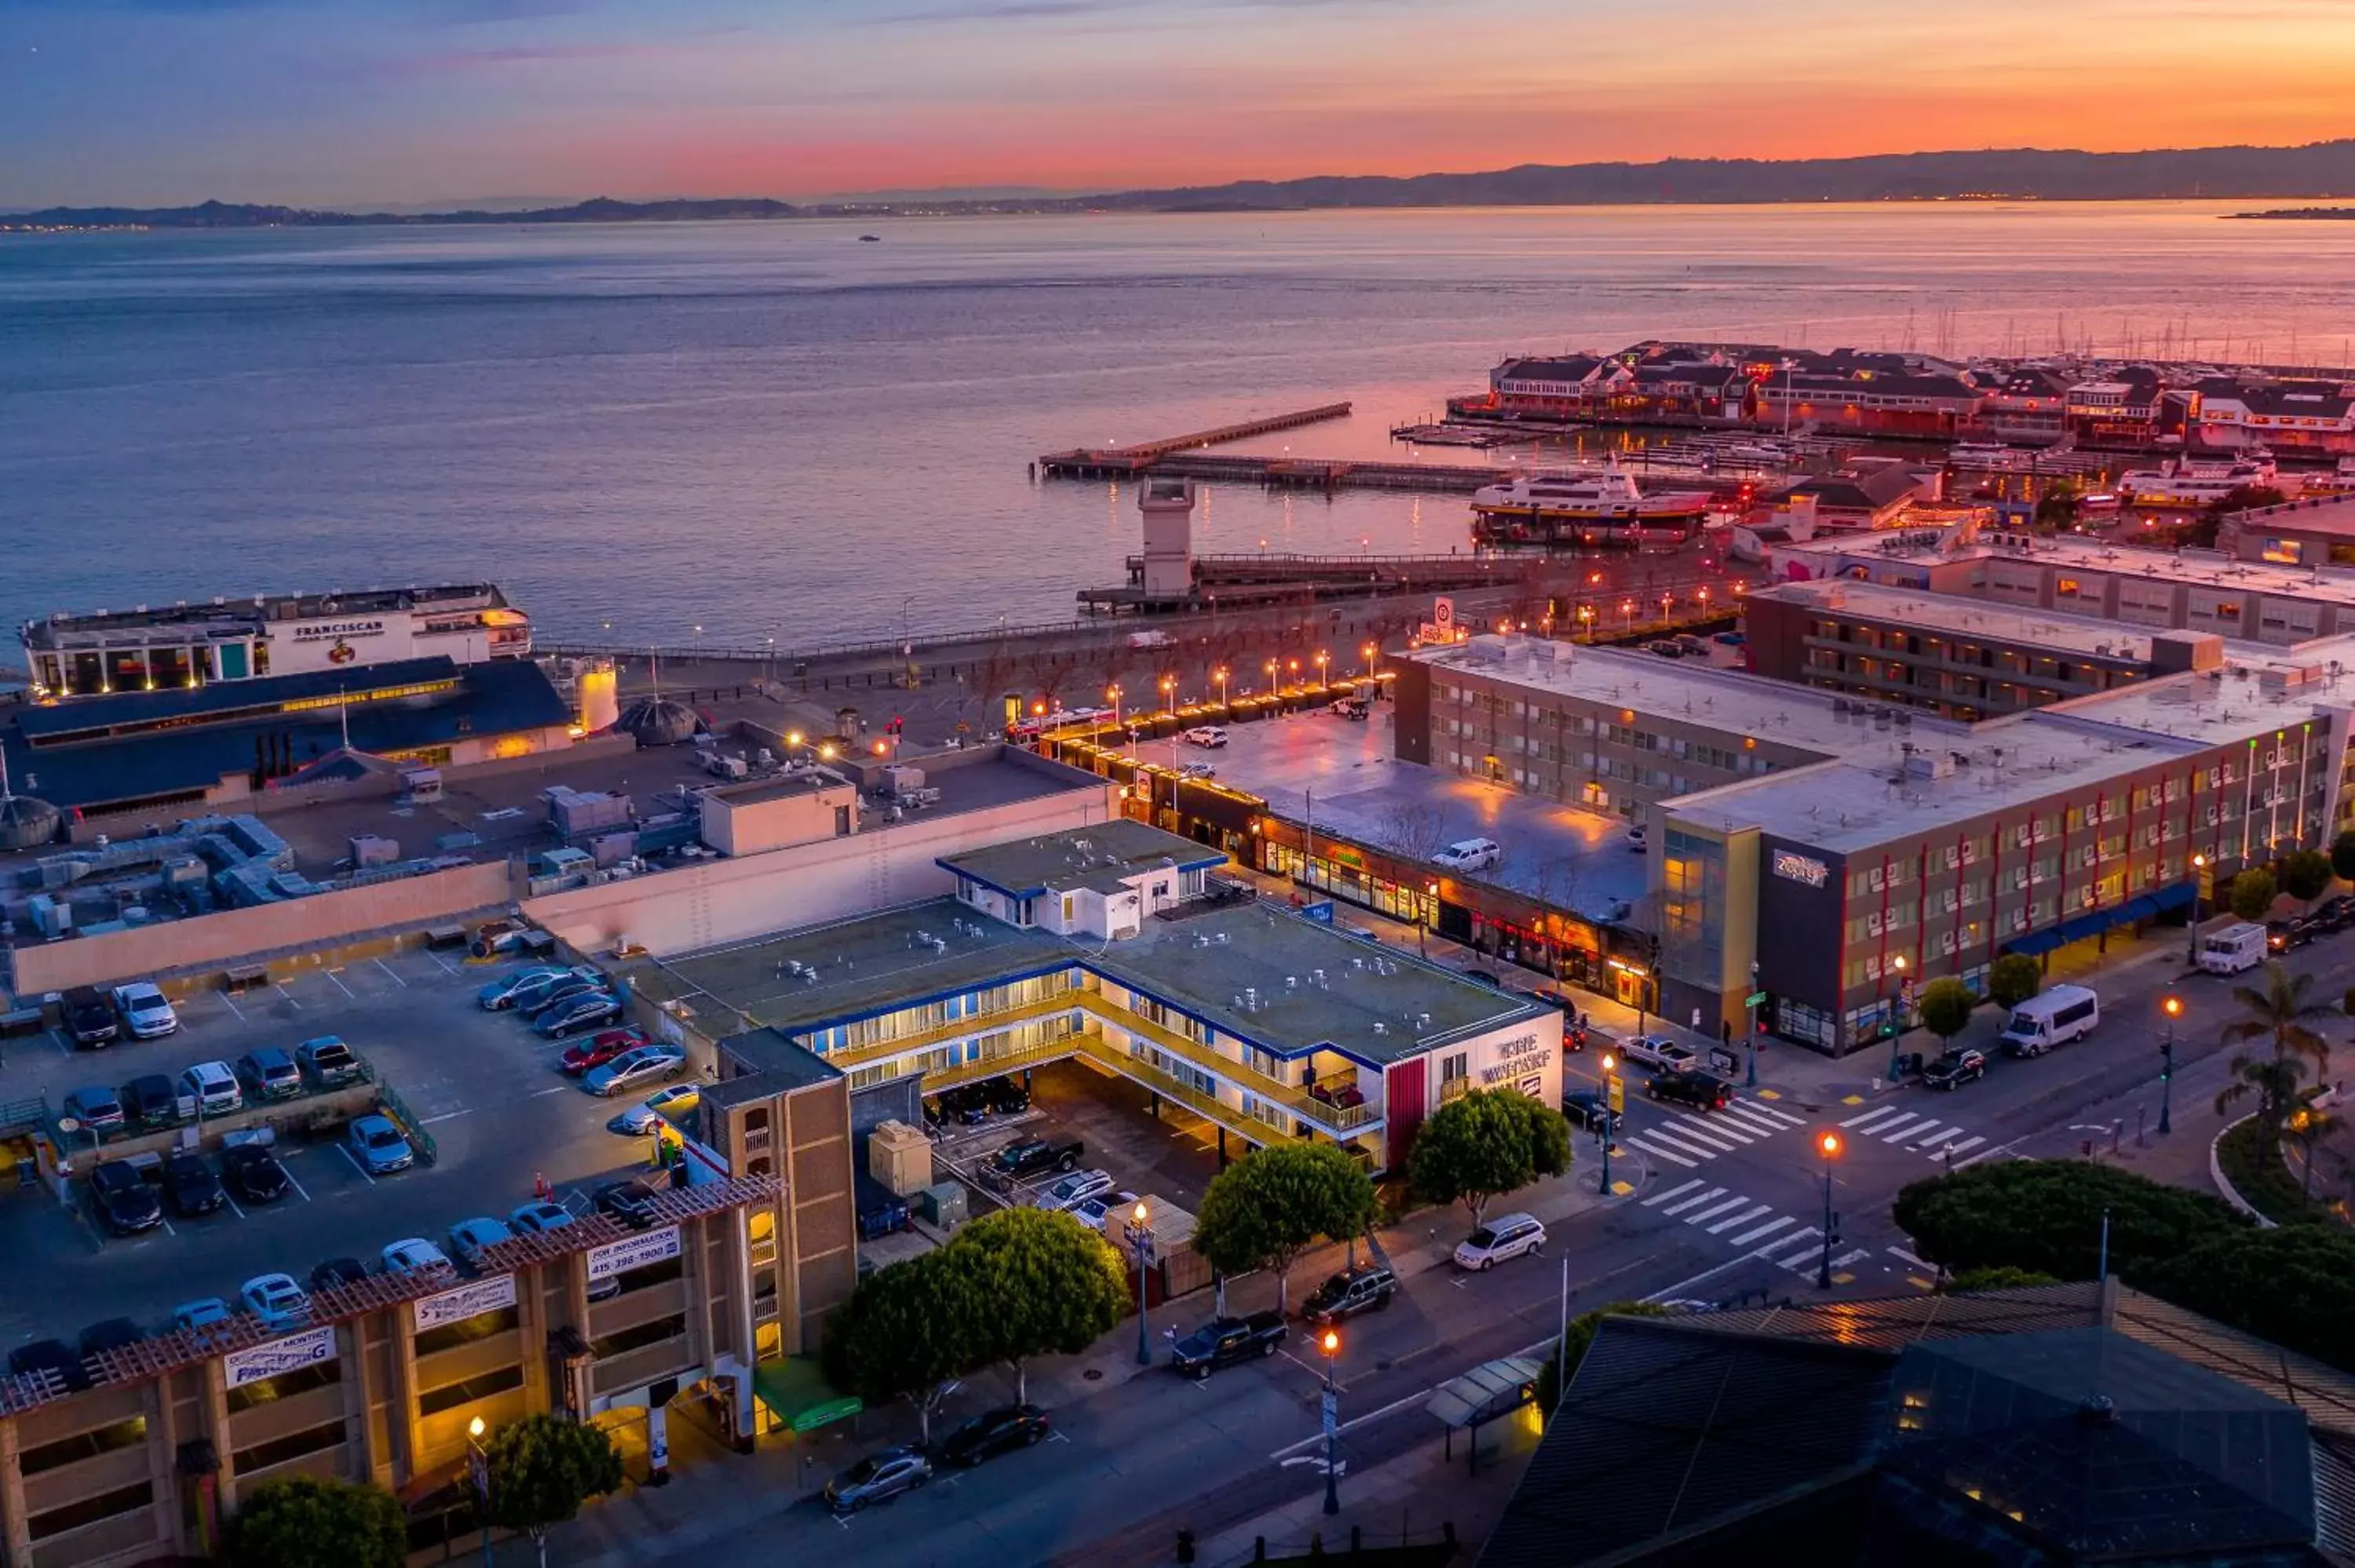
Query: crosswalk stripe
x,y
1877,1114
1723,1226
1964,1146
1711,1126
1844,1259
1698,1197
1741,1117
1676,1139
1888,1130
1808,1262
1694,1127
1794,1238
1928,1134
1769,1228
1916,1262
1663,1154
1698,1215
1657,1197
1773,1113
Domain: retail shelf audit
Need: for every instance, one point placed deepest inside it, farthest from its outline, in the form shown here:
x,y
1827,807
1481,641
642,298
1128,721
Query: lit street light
x,y
1370,650
1330,1344
2173,1006
1220,675
1169,695
1828,1143
478,1461
1140,1237
1614,1097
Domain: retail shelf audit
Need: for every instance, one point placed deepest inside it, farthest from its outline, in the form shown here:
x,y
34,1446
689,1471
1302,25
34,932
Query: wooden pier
x,y
1238,580
1118,463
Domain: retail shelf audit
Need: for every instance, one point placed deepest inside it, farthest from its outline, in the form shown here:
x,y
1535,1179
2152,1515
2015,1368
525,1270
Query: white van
x,y
2237,947
1472,854
2052,1018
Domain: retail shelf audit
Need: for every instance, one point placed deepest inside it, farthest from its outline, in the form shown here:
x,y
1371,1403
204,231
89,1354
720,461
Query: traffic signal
x,y
2167,1061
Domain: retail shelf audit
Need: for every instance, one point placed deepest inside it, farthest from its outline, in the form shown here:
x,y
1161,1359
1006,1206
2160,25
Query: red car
x,y
600,1049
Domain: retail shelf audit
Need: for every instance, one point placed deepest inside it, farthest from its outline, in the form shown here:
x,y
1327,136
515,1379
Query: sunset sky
x,y
341,101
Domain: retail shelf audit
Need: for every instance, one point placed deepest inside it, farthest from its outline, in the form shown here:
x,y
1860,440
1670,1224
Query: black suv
x,y
631,1201
1690,1087
193,1187
964,1104
1589,1109
151,1101
125,1204
993,1433
90,1019
1031,1157
1222,1341
254,1173
1006,1096
1955,1067
2335,913
1368,1288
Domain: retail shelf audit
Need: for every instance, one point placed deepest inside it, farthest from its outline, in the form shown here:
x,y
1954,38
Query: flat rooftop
x,y
2332,514
2206,569
1255,969
1970,617
1102,857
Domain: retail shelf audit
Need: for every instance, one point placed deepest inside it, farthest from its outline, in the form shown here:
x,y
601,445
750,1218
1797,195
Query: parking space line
x,y
167,1226
387,969
438,960
231,1002
357,1165
293,1183
60,1042
446,1116
340,984
289,995
232,1205
552,1089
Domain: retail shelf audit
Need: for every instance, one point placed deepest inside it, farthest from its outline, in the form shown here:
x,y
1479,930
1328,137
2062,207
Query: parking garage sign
x,y
470,1299
279,1356
635,1252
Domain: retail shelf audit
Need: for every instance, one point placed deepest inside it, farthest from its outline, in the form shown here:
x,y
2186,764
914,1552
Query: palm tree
x,y
2278,1010
2275,1084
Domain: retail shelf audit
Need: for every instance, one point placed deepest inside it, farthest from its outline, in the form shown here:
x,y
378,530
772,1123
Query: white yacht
x,y
2189,481
1610,497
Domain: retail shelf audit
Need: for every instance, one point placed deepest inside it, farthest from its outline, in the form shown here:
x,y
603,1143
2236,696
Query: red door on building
x,y
1402,1102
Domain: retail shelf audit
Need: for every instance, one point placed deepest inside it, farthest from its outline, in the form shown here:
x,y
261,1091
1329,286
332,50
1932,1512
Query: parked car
x,y
675,1101
214,1089
203,1312
415,1256
632,1202
539,1217
1470,855
2335,913
1068,1190
1222,1341
1589,1109
575,1013
965,1104
501,994
1005,1095
1501,1239
1030,1157
601,1047
100,1111
1665,649
1658,1052
88,1018
500,935
556,993
994,1432
145,1012
1349,708
110,1334
1197,770
1365,1288
2284,936
190,1185
54,1357
379,1145
277,1300
125,1204
1206,735
253,1173
469,1237
1097,1212
878,1478
151,1101
269,1073
644,1065
338,1271
328,1063
1955,1067
1690,1087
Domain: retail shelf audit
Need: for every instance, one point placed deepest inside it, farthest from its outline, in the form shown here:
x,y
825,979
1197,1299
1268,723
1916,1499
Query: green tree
x,y
2013,978
542,1469
2305,874
909,1331
2244,498
2056,508
1576,1341
1267,1208
2001,1277
1044,1284
317,1521
2307,1127
2294,1284
2253,893
2281,1014
1946,1007
2046,1216
1486,1142
2342,856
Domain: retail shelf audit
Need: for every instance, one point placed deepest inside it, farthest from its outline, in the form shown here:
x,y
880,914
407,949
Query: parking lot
x,y
1172,1157
482,1085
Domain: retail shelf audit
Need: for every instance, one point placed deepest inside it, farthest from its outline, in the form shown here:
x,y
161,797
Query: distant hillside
x,y
2324,168
247,215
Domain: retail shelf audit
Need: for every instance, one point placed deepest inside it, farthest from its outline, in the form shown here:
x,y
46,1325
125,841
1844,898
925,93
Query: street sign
x,y
1332,1403
1756,998
1617,1088
1721,1061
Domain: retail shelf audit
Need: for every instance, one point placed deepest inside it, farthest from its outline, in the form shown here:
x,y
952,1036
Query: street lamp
x,y
1611,1093
1169,695
1751,1004
1369,650
1422,921
1330,1344
1112,696
1827,1144
1220,675
1270,668
1140,1237
1904,1010
478,1461
2191,949
2173,1006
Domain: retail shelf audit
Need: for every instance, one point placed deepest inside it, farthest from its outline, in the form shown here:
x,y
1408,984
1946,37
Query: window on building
x,y
450,1396
285,1385
621,1342
467,1330
91,1510
294,1446
87,1444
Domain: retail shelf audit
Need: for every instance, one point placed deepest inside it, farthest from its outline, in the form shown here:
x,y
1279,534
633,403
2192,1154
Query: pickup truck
x,y
1222,1341
1657,1052
1030,1157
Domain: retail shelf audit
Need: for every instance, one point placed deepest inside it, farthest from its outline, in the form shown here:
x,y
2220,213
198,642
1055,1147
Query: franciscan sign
x,y
1800,868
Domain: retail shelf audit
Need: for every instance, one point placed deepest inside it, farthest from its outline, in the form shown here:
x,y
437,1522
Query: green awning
x,y
797,1393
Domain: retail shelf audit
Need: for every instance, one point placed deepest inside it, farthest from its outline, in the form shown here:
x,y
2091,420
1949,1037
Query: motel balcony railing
x,y
1234,1118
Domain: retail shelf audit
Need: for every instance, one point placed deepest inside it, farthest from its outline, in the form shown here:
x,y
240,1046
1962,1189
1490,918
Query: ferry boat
x,y
1607,507
1992,458
2188,482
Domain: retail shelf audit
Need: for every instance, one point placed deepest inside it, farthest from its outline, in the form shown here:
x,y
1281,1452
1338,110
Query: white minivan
x,y
2052,1017
1471,855
2238,947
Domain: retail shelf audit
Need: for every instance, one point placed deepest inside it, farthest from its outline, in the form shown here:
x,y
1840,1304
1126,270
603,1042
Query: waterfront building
x,y
169,647
2287,415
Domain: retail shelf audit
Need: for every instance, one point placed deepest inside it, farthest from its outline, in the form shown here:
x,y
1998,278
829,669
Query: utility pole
x,y
2174,1006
